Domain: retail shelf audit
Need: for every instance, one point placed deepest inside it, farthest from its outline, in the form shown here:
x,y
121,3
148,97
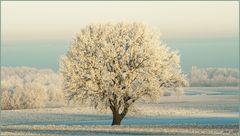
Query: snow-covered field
x,y
201,111
181,130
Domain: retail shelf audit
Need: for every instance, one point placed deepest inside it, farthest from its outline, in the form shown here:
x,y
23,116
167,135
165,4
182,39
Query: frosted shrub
x,y
23,98
24,87
6,100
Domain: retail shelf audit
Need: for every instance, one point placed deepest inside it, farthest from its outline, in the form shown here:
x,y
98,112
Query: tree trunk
x,y
117,118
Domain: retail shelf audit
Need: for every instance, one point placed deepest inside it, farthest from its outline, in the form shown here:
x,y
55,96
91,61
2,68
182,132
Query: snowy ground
x,y
202,111
181,130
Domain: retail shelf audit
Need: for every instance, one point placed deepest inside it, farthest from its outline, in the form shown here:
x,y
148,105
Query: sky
x,y
192,27
53,20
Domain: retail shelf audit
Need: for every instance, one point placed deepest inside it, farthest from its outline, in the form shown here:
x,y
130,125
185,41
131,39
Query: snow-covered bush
x,y
214,77
24,87
23,98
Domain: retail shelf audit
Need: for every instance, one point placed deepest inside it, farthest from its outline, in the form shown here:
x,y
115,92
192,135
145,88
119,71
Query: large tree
x,y
115,64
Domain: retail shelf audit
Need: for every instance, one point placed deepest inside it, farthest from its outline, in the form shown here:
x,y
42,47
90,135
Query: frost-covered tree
x,y
115,64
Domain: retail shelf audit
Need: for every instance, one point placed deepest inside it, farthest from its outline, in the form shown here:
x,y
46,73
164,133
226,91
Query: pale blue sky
x,y
60,20
36,33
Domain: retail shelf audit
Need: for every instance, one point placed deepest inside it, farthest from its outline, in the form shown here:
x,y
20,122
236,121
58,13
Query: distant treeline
x,y
212,77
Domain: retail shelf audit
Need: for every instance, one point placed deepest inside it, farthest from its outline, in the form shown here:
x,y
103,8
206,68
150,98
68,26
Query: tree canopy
x,y
115,64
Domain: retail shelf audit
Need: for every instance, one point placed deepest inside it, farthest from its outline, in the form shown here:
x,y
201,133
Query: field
x,y
200,111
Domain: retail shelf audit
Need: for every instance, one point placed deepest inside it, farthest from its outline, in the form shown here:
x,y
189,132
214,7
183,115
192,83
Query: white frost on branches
x,y
115,64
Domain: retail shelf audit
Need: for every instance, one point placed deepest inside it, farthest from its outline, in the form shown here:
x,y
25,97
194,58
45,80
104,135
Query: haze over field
x,y
197,53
